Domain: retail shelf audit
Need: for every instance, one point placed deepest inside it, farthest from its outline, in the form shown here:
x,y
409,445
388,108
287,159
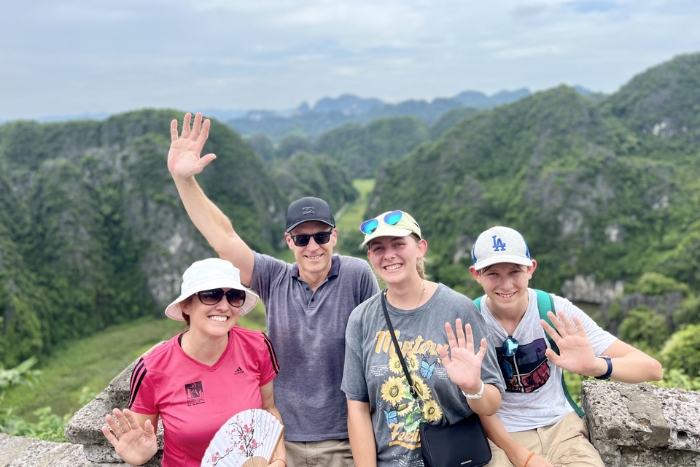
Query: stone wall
x,y
16,451
86,425
639,425
632,425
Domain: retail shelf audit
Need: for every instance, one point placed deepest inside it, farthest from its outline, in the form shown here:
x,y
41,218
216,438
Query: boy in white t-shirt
x,y
536,426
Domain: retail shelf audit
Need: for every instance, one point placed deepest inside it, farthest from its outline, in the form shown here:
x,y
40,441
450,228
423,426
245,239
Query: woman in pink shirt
x,y
200,378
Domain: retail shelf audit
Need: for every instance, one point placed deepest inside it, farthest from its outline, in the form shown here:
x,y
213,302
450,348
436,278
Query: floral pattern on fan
x,y
249,435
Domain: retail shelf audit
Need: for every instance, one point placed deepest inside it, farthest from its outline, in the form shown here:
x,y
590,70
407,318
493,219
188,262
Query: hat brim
x,y
490,261
174,310
387,232
290,228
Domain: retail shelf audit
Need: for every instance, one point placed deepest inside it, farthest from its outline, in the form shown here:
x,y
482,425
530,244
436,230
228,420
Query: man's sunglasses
x,y
391,218
321,238
509,348
234,297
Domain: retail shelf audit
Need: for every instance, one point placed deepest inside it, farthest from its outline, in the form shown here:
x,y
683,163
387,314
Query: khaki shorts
x,y
562,444
328,453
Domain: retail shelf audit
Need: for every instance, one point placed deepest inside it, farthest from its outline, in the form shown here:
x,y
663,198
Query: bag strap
x,y
545,304
412,389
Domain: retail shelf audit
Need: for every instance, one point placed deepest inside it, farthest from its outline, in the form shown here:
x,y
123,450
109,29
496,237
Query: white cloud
x,y
80,56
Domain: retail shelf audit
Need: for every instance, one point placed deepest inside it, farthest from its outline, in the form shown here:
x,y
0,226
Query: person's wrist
x,y
527,460
607,365
279,462
516,452
474,393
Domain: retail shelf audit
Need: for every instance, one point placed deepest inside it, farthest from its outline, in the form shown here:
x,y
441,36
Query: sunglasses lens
x,y
368,227
235,297
507,369
301,240
393,218
510,346
211,297
322,238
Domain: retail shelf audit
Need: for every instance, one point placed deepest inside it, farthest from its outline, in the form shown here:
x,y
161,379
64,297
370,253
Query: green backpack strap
x,y
545,303
477,302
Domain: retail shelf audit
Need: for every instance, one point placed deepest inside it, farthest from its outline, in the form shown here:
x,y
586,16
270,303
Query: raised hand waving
x,y
134,443
462,364
184,158
575,352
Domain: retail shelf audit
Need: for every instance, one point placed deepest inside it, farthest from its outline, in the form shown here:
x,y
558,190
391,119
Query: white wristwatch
x,y
475,396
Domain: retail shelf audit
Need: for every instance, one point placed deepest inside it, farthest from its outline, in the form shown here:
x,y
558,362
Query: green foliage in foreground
x,y
644,329
39,405
682,351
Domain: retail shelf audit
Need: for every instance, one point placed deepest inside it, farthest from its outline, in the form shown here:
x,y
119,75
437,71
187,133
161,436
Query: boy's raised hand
x,y
575,352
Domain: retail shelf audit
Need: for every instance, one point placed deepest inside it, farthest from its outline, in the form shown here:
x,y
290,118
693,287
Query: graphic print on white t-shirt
x,y
528,369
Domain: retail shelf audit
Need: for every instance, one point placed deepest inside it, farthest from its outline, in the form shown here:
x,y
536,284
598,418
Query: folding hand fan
x,y
248,439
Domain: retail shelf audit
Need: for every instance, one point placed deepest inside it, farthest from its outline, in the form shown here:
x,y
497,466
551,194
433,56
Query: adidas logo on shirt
x,y
239,371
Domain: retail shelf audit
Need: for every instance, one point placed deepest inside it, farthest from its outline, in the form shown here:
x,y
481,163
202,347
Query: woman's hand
x,y
184,159
132,442
575,352
463,366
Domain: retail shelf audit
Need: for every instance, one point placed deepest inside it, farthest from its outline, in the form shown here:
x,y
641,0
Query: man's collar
x,y
335,268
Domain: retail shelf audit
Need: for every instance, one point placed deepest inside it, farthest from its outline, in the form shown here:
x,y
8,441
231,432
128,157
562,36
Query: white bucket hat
x,y
500,245
207,274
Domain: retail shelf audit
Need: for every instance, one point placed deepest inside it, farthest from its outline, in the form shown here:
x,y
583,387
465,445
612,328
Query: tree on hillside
x,y
682,351
644,328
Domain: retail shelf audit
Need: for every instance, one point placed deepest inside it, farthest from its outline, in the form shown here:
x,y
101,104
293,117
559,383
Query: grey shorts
x,y
332,452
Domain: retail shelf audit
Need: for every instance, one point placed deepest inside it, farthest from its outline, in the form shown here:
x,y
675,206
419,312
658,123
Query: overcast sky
x,y
75,56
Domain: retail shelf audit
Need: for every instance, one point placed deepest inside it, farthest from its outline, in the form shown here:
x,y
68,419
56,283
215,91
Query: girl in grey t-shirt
x,y
383,417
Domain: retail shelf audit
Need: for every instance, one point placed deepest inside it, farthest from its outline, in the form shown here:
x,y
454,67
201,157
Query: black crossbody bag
x,y
462,444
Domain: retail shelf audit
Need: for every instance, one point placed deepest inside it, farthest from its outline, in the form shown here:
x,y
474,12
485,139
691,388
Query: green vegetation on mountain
x,y
362,149
663,101
92,232
450,119
590,195
307,175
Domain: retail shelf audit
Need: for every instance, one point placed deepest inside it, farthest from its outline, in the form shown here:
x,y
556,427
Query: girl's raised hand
x,y
462,364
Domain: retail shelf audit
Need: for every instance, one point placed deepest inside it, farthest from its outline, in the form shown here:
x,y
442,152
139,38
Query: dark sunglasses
x,y
234,297
509,348
321,238
391,218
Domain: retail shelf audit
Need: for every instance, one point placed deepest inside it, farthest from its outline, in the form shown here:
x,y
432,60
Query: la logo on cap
x,y
498,244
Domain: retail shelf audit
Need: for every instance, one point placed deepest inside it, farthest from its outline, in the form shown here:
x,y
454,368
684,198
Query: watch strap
x,y
607,374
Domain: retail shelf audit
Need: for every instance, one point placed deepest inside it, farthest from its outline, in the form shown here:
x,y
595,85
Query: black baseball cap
x,y
309,209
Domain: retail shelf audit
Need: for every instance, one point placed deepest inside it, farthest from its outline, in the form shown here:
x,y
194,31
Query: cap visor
x,y
490,261
290,228
387,232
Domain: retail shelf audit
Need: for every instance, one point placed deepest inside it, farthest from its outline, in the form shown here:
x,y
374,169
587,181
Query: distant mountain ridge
x,y
604,189
329,113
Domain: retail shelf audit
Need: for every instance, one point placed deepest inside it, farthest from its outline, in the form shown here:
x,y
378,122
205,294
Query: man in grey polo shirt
x,y
307,303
